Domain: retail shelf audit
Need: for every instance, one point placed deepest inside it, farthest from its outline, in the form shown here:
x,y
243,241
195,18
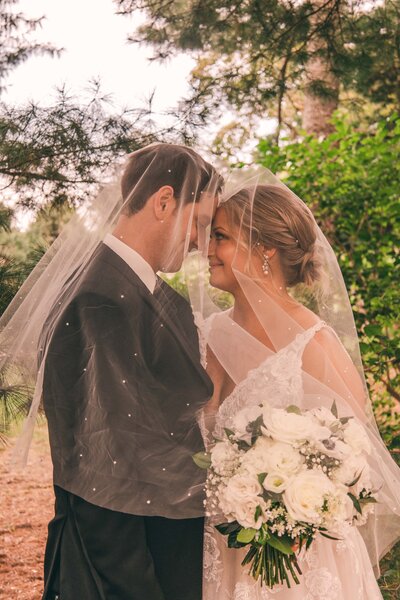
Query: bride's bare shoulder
x,y
305,317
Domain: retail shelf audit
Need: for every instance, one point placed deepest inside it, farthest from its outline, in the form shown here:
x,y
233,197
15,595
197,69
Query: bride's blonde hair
x,y
273,217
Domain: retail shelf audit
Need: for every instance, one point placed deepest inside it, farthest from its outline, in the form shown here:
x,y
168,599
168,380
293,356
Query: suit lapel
x,y
164,296
163,302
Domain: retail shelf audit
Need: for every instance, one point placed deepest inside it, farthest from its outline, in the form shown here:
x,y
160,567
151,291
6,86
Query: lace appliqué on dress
x,y
246,591
212,563
322,585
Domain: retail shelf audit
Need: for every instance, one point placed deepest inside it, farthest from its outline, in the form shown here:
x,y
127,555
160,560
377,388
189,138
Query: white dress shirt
x,y
132,258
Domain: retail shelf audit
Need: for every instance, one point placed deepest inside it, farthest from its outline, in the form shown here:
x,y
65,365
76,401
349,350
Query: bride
x,y
289,339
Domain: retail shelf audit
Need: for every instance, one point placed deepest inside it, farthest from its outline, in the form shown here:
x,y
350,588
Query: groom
x,y
122,386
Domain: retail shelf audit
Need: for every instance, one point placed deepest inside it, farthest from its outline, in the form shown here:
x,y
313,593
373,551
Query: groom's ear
x,y
164,202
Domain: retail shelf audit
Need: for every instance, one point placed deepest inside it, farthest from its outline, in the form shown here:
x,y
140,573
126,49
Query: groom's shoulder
x,y
107,281
106,273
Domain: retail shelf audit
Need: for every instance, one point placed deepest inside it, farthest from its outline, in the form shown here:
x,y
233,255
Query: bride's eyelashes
x,y
219,235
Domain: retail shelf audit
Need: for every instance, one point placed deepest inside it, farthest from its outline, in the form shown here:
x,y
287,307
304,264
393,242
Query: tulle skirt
x,y
332,570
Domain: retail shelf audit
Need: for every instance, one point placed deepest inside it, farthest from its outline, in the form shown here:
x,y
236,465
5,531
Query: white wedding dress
x,y
332,570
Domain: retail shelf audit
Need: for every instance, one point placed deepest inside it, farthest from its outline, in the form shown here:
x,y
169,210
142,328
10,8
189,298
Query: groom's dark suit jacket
x,y
122,386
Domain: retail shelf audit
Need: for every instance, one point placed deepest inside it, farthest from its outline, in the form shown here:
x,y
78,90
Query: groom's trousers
x,y
93,553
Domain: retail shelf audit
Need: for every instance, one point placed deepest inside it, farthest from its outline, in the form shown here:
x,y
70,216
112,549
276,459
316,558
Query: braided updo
x,y
275,218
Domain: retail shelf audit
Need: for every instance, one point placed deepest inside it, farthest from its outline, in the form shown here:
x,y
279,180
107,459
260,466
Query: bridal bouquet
x,y
279,477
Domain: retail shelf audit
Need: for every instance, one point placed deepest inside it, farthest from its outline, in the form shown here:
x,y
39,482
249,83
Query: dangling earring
x,y
265,265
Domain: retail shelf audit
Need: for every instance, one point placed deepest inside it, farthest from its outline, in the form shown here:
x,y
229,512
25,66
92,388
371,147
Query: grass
x,y
389,581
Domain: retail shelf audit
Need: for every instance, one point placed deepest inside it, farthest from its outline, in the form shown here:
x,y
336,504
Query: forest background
x,y
325,73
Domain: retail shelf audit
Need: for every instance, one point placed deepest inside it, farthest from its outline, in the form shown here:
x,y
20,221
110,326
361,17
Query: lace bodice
x,y
278,379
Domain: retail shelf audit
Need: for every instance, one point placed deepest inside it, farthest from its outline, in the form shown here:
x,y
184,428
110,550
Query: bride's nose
x,y
211,247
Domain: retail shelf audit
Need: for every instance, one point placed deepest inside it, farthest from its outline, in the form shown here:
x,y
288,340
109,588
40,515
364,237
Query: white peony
x,y
240,498
356,437
275,482
225,458
305,495
292,427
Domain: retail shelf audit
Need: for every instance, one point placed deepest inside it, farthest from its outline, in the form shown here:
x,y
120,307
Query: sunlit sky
x,y
95,44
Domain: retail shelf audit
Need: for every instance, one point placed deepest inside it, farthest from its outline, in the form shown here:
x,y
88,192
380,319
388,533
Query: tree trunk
x,y
319,105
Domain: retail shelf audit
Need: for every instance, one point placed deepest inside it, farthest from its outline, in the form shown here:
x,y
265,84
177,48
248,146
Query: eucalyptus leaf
x,y
355,502
292,408
334,409
202,460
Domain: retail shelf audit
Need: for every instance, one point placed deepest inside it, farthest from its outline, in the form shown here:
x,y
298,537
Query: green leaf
x,y
257,513
233,542
202,460
282,544
372,330
355,480
334,409
330,537
292,408
229,432
356,502
245,536
261,477
227,528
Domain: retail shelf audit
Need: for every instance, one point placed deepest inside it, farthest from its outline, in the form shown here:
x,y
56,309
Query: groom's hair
x,y
156,165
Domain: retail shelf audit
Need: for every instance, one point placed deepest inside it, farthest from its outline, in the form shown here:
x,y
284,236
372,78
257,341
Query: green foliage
x,y
254,56
351,180
60,153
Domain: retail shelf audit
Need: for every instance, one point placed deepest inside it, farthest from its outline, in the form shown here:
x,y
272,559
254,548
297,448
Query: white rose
x,y
356,437
283,458
241,420
292,427
239,498
245,514
305,495
275,482
254,461
225,458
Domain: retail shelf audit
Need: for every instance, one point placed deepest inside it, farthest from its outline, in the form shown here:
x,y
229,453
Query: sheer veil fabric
x,y
309,355
100,445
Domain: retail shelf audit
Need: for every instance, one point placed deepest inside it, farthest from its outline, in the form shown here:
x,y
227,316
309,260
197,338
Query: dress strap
x,y
306,336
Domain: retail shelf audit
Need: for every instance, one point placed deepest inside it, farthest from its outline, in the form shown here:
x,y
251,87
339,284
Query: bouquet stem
x,y
271,566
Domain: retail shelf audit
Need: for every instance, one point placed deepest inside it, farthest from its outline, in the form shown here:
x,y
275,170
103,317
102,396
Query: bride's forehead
x,y
221,218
